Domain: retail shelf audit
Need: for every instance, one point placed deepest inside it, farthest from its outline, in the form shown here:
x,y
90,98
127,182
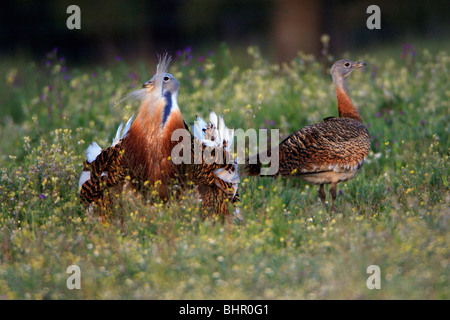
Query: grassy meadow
x,y
393,214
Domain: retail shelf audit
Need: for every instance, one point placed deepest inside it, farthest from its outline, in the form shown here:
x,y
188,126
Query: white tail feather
x,y
127,127
93,151
228,176
120,134
85,176
198,128
219,131
221,128
229,136
213,118
197,131
221,134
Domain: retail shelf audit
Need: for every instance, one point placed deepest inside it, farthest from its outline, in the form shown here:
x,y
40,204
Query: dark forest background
x,y
136,29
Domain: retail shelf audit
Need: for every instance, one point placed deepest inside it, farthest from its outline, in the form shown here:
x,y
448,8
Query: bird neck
x,y
171,105
148,143
167,108
155,114
346,108
155,117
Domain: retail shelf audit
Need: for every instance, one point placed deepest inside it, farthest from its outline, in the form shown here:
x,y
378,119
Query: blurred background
x,y
137,29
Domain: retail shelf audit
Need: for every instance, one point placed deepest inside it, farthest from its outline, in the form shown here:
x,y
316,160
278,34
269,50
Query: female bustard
x,y
327,152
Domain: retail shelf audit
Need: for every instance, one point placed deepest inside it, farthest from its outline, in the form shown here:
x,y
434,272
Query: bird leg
x,y
322,194
333,196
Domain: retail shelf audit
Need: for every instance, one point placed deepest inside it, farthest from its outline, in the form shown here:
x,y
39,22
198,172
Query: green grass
x,y
394,214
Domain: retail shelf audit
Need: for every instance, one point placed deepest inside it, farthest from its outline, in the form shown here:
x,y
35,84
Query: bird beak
x,y
359,64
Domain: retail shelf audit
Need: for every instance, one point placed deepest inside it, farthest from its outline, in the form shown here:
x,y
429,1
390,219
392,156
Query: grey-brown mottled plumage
x,y
330,151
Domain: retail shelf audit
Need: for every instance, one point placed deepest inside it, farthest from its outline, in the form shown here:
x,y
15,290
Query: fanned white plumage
x,y
213,118
228,176
197,131
199,127
85,176
93,151
218,133
120,134
222,128
230,138
127,127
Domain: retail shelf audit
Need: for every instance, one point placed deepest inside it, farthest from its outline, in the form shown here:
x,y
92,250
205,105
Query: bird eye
x,y
166,78
347,64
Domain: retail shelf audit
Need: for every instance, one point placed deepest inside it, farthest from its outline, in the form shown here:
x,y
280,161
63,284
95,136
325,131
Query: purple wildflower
x,y
373,74
406,47
63,69
422,122
269,122
133,76
201,58
378,114
42,196
118,58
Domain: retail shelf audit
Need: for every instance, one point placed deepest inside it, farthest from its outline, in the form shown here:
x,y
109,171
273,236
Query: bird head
x,y
161,87
161,91
169,84
342,68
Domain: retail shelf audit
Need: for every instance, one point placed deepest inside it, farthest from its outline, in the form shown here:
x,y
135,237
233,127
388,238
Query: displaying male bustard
x,y
327,152
141,151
